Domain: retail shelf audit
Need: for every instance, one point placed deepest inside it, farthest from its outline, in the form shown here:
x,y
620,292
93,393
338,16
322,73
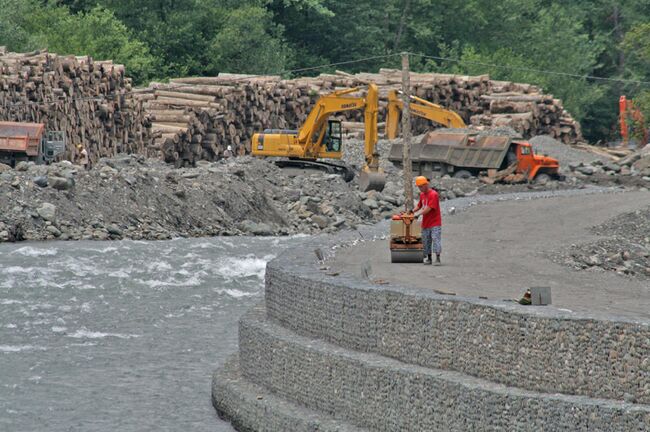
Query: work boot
x,y
427,260
438,263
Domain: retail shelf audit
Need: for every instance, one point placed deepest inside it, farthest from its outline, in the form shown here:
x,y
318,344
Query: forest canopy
x,y
561,46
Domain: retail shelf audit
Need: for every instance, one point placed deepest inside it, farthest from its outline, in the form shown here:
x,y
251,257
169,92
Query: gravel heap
x,y
137,198
132,197
624,248
566,154
493,131
632,171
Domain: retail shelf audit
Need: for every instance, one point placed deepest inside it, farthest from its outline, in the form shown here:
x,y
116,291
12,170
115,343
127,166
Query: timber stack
x,y
197,118
527,110
89,100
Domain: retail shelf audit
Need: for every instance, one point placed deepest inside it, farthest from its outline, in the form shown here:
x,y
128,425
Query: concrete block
x,y
540,296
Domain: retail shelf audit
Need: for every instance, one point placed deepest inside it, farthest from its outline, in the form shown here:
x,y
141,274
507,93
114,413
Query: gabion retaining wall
x,y
537,348
387,395
333,352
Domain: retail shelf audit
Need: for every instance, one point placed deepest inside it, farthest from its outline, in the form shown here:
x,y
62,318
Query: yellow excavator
x,y
421,108
320,138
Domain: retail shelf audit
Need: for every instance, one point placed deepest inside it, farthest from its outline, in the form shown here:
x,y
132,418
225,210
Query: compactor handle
x,y
408,217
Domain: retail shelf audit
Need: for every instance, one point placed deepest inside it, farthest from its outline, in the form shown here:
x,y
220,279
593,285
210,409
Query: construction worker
x,y
228,153
429,208
83,159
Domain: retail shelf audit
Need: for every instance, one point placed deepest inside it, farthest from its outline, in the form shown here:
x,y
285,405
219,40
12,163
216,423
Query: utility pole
x,y
406,133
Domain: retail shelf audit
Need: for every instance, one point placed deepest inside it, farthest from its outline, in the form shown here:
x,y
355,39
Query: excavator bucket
x,y
369,180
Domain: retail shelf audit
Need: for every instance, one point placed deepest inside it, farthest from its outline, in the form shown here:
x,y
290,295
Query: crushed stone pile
x,y
137,198
629,171
130,196
624,247
566,154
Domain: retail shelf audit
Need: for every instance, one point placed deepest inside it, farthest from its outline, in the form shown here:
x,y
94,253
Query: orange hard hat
x,y
421,181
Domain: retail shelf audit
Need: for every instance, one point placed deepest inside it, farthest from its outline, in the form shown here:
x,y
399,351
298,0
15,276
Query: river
x,y
123,335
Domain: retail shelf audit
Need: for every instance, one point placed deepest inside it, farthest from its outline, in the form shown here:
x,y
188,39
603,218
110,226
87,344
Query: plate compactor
x,y
405,239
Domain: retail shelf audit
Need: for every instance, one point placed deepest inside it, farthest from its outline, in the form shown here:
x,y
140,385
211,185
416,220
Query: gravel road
x,y
497,250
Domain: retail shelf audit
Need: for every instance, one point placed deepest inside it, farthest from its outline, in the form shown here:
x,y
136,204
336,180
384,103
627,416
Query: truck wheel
x,y
542,178
463,174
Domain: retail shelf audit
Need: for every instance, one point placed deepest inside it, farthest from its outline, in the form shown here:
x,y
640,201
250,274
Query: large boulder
x,y
47,211
642,163
259,229
320,220
586,170
53,230
23,165
40,181
611,166
60,183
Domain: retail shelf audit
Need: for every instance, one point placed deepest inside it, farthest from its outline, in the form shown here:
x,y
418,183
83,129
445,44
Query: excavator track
x,y
345,171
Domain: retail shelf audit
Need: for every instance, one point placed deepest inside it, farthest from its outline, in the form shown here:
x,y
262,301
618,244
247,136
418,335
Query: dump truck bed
x,y
21,137
457,149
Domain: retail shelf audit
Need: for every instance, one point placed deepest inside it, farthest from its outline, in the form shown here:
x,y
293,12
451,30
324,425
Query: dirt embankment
x,y
137,198
131,197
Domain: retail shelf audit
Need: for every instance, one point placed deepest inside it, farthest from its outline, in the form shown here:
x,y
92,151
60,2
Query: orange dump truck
x,y
462,155
29,142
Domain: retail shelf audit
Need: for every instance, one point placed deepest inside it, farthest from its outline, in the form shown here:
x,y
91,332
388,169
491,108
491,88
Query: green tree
x,y
96,33
524,41
178,32
509,39
636,47
197,37
249,42
13,24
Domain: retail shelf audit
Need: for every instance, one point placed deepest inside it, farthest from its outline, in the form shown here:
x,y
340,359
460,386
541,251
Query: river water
x,y
122,336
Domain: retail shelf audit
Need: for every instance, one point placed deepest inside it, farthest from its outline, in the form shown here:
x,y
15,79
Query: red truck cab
x,y
534,165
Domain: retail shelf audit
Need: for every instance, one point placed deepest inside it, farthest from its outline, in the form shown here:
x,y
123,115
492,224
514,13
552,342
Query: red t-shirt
x,y
433,218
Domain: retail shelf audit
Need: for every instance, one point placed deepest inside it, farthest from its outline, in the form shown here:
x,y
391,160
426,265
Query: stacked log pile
x,y
527,110
196,118
91,101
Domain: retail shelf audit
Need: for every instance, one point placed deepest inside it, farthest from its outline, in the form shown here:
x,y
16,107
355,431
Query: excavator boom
x,y
421,108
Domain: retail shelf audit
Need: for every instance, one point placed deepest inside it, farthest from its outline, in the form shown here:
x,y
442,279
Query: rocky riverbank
x,y
133,197
137,198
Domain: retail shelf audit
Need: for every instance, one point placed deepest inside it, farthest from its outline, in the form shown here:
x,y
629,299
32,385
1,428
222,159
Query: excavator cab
x,y
333,137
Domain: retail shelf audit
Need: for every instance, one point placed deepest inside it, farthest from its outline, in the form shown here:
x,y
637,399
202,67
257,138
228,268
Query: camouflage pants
x,y
432,238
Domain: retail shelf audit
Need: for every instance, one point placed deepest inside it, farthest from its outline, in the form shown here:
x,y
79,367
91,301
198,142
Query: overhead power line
x,y
526,69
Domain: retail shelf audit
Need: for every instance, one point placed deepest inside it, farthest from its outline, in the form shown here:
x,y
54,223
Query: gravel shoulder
x,y
498,250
